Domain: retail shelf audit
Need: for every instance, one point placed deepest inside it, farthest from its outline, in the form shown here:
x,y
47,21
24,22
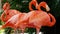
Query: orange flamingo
x,y
32,19
8,13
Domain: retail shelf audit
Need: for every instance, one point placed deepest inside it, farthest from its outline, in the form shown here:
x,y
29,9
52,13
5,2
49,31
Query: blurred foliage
x,y
2,31
22,6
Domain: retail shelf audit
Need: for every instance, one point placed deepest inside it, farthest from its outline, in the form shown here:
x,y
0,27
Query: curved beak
x,y
47,8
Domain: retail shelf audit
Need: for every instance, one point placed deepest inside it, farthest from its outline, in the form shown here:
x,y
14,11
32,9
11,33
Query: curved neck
x,y
36,3
2,17
43,4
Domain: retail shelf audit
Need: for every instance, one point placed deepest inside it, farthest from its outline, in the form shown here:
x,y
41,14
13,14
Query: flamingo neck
x,y
42,4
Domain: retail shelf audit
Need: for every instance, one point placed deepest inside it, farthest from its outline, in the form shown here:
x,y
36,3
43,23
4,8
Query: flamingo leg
x,y
23,31
37,31
16,31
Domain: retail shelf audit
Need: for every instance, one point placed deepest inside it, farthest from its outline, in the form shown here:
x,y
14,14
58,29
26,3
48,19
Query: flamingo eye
x,y
7,13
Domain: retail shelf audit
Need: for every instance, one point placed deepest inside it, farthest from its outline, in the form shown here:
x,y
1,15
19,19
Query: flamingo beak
x,y
47,8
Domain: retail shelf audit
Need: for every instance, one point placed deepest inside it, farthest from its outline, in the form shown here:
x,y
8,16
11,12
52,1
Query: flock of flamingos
x,y
33,19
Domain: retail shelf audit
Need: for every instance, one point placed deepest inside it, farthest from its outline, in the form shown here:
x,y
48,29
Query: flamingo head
x,y
44,5
6,6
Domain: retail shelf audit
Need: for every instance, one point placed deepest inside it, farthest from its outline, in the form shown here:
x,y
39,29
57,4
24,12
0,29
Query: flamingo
x,y
8,13
32,19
